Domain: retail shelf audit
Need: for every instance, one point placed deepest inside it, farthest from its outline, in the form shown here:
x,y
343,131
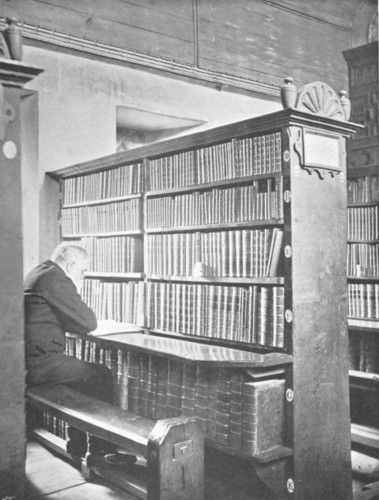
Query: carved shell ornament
x,y
320,99
318,151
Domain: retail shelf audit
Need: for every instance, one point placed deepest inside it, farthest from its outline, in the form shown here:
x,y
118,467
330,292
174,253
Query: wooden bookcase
x,y
363,242
217,307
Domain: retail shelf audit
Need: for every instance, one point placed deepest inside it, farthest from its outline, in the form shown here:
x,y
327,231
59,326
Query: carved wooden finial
x,y
13,37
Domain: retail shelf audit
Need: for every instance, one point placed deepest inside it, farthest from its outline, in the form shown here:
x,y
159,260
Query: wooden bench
x,y
364,435
173,447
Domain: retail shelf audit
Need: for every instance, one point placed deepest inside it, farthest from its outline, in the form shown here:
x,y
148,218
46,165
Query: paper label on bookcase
x,y
321,150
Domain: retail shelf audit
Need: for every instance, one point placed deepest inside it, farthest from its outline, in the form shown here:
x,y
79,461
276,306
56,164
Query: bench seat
x,y
173,447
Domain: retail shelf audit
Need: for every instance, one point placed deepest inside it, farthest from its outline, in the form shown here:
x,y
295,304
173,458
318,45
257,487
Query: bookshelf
x,y
102,211
363,238
241,300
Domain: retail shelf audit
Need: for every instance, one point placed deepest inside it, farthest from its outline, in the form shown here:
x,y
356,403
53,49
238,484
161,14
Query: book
x,y
174,388
202,394
274,253
122,379
189,390
109,327
161,387
263,415
133,377
223,402
236,391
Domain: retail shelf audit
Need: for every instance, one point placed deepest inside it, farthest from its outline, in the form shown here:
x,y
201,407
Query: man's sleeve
x,y
61,294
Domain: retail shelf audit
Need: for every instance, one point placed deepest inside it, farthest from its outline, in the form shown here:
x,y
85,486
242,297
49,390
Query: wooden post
x,y
175,458
315,259
13,75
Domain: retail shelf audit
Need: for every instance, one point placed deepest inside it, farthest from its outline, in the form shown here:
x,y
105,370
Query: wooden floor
x,y
50,477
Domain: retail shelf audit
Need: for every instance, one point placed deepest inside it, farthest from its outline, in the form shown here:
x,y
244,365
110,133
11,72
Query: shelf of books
x,y
363,294
363,239
102,212
234,282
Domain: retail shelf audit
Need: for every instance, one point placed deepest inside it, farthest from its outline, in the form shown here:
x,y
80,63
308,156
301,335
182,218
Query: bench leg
x,y
86,470
77,442
175,460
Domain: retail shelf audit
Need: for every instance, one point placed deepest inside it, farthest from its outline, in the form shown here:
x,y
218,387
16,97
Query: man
x,y
53,307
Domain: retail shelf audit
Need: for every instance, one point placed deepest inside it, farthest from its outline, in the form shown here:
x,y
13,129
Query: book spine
x,y
223,403
162,388
133,362
143,385
122,379
236,392
202,394
189,390
152,382
174,388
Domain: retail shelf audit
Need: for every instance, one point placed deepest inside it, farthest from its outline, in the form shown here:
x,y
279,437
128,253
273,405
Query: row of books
x,y
258,155
54,425
229,160
237,253
119,254
262,200
113,217
121,302
177,170
364,352
363,190
120,181
363,300
253,314
91,351
363,259
363,223
233,410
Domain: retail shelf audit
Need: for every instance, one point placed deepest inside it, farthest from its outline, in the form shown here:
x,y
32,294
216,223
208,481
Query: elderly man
x,y
53,307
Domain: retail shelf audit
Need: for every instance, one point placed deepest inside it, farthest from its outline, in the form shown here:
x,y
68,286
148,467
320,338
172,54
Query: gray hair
x,y
66,252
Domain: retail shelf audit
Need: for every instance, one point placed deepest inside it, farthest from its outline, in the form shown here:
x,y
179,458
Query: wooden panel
x,y
119,23
363,92
122,12
275,50
182,8
255,16
260,40
254,42
256,39
340,13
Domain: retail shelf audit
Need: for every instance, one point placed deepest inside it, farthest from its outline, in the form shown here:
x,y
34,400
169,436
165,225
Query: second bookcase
x,y
241,291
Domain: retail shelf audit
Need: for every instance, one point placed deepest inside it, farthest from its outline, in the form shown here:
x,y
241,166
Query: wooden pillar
x,y
315,250
13,75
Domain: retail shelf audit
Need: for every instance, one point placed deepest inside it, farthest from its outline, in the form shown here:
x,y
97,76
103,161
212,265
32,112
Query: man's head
x,y
73,259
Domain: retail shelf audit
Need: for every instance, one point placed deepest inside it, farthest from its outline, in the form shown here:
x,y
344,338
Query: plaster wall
x,y
77,104
78,99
